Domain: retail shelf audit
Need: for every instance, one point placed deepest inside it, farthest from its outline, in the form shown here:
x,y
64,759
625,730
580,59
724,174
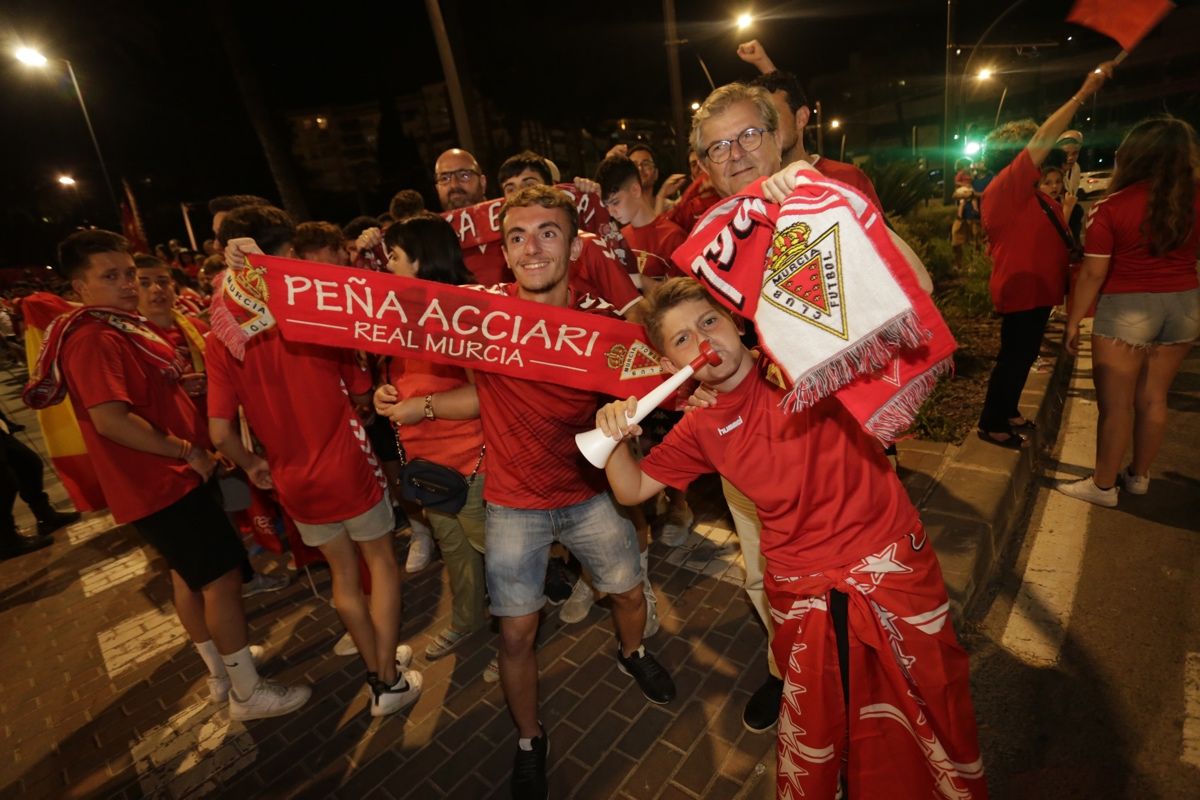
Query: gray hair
x,y
719,101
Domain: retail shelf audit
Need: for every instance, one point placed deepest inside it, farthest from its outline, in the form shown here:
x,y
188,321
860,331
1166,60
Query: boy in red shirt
x,y
855,590
150,451
652,238
297,399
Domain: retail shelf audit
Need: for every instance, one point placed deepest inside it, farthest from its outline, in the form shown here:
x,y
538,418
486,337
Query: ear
x,y
667,365
576,247
803,115
483,183
77,286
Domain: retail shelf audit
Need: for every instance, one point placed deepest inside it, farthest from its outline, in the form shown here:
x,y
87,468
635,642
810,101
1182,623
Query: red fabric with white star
x,y
911,732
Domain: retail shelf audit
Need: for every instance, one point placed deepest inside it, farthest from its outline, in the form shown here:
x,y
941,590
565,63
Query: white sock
x,y
212,658
242,672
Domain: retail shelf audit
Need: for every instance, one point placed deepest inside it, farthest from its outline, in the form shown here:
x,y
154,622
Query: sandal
x,y
443,643
1027,425
1012,440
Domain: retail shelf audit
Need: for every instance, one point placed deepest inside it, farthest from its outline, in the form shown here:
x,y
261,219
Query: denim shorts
x,y
1146,318
376,521
518,548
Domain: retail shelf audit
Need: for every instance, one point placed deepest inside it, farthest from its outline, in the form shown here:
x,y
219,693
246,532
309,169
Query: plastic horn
x,y
596,447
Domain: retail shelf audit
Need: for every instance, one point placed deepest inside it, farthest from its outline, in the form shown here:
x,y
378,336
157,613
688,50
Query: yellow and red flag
x,y
60,430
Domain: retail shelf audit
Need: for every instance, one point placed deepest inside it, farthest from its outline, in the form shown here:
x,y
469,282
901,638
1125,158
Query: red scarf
x,y
474,328
911,729
47,385
478,226
835,303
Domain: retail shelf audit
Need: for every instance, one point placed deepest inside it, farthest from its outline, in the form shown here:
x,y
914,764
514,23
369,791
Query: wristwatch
x,y
429,407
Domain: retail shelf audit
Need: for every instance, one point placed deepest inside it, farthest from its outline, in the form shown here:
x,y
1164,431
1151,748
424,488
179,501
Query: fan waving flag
x,y
1126,21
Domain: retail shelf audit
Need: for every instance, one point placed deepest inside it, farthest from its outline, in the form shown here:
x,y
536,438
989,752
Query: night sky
x,y
168,116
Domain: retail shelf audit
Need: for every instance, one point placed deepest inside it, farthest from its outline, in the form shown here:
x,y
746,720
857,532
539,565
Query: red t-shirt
x,y
847,174
102,366
598,272
697,198
294,396
1029,258
1114,231
453,443
530,428
824,491
652,246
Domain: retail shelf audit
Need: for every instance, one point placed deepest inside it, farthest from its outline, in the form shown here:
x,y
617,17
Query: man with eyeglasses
x,y
460,181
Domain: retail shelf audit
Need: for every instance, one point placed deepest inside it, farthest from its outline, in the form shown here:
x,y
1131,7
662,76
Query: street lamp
x,y
34,58
985,74
695,105
66,180
835,123
744,20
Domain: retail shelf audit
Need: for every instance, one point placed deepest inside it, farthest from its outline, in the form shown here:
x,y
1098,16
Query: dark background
x,y
169,118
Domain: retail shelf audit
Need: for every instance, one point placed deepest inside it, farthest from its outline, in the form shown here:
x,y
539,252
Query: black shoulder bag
x,y
1073,246
432,485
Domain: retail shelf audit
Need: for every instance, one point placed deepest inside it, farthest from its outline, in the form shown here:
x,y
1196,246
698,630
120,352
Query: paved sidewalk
x,y
105,697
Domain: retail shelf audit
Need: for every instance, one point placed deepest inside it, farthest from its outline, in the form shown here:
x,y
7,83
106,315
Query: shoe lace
x,y
527,766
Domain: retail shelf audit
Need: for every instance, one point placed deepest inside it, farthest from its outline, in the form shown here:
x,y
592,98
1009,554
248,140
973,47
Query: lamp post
x,y
987,74
34,58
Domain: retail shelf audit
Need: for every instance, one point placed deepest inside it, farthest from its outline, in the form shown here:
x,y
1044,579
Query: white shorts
x,y
366,527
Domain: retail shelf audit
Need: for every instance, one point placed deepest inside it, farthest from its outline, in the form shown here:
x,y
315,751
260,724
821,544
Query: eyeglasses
x,y
750,140
458,176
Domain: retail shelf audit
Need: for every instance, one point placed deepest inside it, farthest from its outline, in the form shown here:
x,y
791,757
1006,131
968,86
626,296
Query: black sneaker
x,y
529,770
558,583
762,709
15,544
651,678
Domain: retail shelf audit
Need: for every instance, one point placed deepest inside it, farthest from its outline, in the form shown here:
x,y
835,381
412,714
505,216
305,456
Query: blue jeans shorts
x,y
1146,318
518,548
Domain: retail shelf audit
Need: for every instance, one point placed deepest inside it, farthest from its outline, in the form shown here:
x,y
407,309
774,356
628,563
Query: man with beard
x,y
460,182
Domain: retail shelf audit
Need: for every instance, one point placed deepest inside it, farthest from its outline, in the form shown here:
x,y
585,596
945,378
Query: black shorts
x,y
194,537
383,439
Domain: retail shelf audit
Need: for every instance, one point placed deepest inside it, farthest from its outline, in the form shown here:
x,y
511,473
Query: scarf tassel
x,y
867,356
227,330
897,415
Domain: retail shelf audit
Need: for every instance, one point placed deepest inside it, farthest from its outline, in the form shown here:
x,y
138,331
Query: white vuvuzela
x,y
597,447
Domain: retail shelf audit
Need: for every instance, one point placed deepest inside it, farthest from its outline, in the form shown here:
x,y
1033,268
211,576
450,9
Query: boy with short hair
x,y
855,589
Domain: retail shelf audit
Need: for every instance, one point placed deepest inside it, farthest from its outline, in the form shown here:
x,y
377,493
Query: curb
x,y
981,492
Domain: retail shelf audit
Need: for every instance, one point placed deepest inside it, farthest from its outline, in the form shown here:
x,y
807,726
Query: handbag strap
x,y
1063,233
404,457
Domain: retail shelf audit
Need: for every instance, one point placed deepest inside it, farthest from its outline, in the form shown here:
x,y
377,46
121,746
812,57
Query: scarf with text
x,y
471,327
835,303
478,226
195,339
47,385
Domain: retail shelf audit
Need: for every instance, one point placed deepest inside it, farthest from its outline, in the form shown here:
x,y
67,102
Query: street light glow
x,y
835,123
984,74
744,20
66,180
971,149
27,55
695,105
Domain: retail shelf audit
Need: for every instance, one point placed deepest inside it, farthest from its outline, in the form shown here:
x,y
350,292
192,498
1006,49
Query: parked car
x,y
1095,183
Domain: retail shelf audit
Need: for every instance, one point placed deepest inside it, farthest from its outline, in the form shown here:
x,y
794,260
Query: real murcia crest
x,y
804,277
640,362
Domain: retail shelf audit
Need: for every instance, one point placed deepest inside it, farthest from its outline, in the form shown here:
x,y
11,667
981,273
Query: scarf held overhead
x,y
835,303
474,328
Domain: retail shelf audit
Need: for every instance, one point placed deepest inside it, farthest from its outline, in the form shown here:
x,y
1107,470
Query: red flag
x,y
131,222
1127,21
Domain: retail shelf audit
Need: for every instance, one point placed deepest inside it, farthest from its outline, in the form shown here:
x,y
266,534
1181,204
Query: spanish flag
x,y
60,430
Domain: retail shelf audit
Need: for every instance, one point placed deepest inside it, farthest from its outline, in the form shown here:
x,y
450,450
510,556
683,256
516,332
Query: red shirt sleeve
x,y
222,394
678,460
95,365
1099,238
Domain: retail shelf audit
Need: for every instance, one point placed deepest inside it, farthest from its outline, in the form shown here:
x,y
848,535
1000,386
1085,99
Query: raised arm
x,y
1047,136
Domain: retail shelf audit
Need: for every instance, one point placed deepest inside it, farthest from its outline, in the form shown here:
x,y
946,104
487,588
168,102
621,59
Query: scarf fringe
x,y
227,330
897,415
869,355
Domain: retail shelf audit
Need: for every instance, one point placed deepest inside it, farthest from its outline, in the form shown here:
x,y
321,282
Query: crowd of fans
x,y
326,437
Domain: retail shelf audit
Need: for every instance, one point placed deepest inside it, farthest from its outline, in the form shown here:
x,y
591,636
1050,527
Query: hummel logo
x,y
735,424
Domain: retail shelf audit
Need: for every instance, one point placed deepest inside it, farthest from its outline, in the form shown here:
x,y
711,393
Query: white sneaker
x,y
1086,489
346,647
265,583
1134,484
578,604
218,687
269,699
675,530
652,621
420,548
392,699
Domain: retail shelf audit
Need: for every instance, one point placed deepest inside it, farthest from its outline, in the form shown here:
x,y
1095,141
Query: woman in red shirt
x,y
436,421
1143,239
1029,257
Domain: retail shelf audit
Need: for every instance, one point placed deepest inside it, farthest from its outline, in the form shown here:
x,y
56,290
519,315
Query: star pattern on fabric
x,y
881,564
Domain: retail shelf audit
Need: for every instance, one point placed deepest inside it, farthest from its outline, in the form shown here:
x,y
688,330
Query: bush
x,y
901,185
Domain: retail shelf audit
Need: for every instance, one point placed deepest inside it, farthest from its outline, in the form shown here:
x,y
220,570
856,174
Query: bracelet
x,y
185,449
